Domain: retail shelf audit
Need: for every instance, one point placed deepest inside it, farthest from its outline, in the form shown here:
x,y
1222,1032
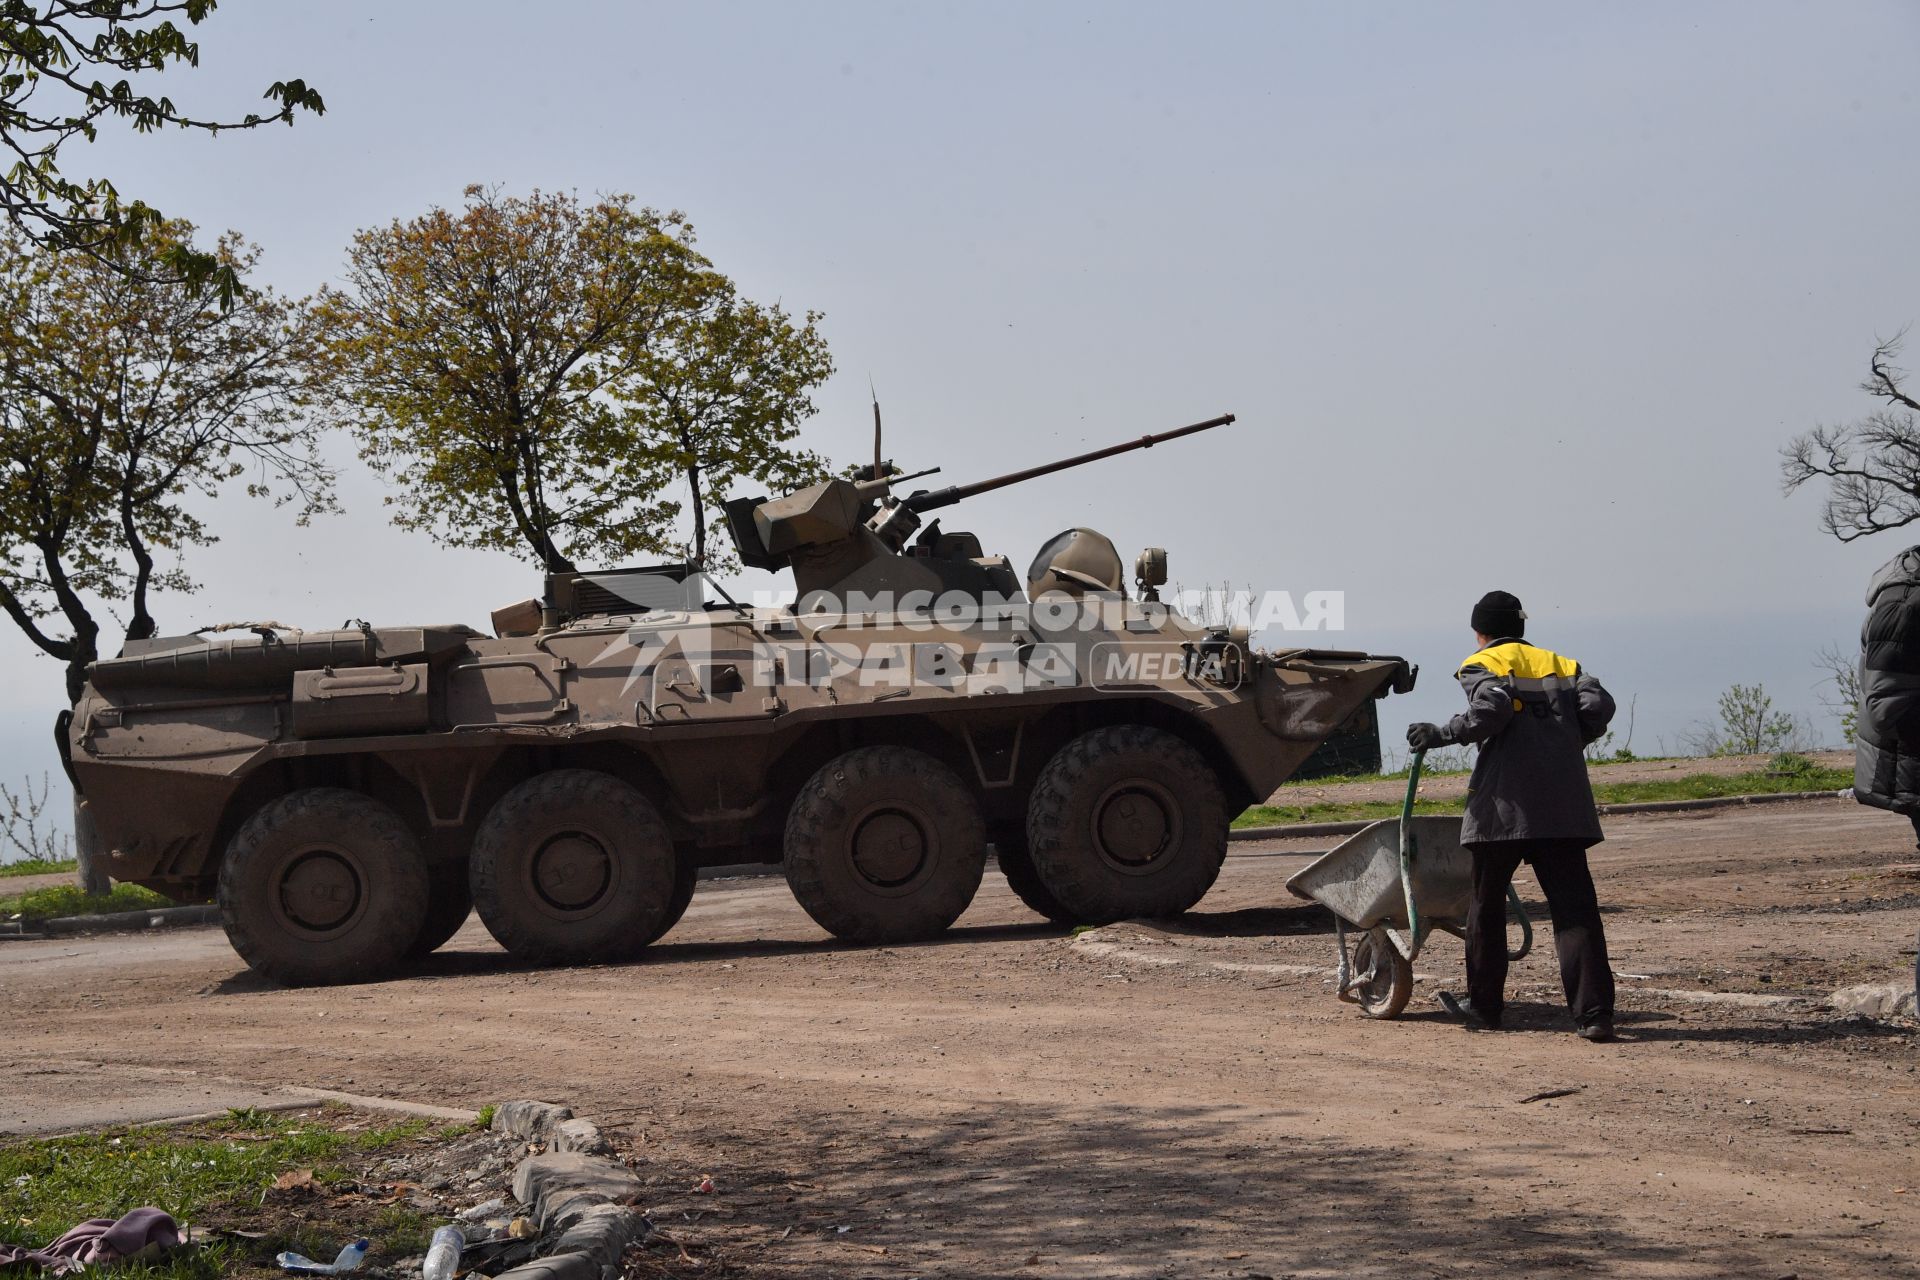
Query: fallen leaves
x,y
294,1180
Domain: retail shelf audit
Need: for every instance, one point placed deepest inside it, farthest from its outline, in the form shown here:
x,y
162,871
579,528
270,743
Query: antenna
x,y
879,472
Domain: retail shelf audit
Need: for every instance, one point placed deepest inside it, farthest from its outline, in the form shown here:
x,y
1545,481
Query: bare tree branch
x,y
1872,466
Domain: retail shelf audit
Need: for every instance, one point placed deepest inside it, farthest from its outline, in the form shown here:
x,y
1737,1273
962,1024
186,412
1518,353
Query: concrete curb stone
x,y
560,1186
603,1233
578,1196
134,921
583,1136
528,1120
557,1266
1888,1001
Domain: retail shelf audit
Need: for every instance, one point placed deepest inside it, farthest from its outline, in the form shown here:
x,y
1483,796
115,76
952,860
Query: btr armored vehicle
x,y
349,796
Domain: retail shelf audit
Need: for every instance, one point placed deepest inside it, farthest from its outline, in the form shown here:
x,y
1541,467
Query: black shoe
x,y
1600,1030
1469,1016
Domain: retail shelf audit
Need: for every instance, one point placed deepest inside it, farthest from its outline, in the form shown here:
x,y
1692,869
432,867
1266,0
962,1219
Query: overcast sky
x,y
1505,296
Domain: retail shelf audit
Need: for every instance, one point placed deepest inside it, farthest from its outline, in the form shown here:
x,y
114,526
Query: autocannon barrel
x,y
930,500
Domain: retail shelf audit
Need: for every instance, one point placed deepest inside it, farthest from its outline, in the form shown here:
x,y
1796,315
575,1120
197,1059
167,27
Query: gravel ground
x,y
1145,1101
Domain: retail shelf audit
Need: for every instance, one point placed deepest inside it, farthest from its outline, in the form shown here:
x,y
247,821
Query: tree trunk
x,y
91,873
699,505
84,651
90,859
699,516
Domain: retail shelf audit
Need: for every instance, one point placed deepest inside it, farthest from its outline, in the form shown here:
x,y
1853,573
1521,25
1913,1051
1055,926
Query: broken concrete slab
x,y
529,1120
579,1135
560,1186
604,1233
559,1266
1875,1000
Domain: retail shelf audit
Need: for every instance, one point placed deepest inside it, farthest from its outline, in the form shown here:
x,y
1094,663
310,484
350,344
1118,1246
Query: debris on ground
x,y
348,1259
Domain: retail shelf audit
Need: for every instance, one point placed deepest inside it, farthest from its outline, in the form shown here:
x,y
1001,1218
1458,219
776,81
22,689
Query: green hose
x,y
1526,925
1407,846
1406,850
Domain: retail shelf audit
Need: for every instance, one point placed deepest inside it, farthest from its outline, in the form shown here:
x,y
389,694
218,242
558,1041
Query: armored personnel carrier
x,y
349,796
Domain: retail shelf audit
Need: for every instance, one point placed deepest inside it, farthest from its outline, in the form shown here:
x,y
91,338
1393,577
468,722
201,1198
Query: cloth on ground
x,y
99,1240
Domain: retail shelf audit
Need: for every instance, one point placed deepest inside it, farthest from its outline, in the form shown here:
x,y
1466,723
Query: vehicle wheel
x,y
686,873
1382,981
573,867
323,885
1016,864
449,903
1127,821
885,844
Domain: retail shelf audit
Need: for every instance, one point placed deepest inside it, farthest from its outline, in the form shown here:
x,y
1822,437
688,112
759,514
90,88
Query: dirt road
x,y
1138,1101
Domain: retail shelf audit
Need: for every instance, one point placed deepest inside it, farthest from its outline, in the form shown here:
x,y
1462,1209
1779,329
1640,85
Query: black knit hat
x,y
1499,615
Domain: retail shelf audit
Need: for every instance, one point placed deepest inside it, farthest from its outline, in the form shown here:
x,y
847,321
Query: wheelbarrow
x,y
1390,885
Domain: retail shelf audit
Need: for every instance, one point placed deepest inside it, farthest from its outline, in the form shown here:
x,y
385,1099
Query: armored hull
x,y
347,796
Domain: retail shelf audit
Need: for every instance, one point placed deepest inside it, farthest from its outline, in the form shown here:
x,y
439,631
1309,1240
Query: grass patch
x,y
222,1170
67,900
485,1119
37,867
1705,786
1694,786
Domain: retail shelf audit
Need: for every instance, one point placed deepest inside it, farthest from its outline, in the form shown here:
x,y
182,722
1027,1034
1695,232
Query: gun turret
x,y
831,533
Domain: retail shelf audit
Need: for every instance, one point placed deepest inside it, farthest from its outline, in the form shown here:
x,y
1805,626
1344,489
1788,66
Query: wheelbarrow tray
x,y
1359,879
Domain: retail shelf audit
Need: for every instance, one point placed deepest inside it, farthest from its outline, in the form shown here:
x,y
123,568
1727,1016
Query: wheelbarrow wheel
x,y
1382,977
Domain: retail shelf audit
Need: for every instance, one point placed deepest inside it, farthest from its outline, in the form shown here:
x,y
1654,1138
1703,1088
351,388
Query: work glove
x,y
1425,737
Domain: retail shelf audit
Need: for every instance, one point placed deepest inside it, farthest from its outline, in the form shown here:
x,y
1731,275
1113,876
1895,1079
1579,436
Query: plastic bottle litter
x,y
443,1254
349,1259
481,1212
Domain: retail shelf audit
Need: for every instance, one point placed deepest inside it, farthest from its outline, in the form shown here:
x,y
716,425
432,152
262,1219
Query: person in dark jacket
x,y
1886,751
1886,732
1532,712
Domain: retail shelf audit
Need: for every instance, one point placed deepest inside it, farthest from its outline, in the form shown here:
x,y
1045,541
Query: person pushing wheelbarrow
x,y
1532,712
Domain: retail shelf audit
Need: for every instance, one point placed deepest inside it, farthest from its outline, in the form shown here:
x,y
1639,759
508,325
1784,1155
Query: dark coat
x,y
1886,753
1533,712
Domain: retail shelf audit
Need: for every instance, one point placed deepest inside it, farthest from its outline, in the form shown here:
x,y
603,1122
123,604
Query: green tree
x,y
66,65
1748,723
720,393
534,374
123,398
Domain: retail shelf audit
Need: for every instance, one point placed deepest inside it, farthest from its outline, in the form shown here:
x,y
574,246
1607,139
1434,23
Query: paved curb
x,y
1606,810
132,921
577,1195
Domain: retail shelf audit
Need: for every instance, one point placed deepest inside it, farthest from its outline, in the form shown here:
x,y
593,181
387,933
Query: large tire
x,y
573,867
1016,864
1127,821
323,885
686,874
885,844
449,903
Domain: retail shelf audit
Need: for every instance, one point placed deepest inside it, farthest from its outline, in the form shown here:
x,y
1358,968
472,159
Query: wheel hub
x,y
1137,822
572,870
889,848
320,891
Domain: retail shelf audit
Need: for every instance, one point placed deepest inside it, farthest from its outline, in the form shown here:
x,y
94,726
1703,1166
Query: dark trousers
x,y
1561,868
